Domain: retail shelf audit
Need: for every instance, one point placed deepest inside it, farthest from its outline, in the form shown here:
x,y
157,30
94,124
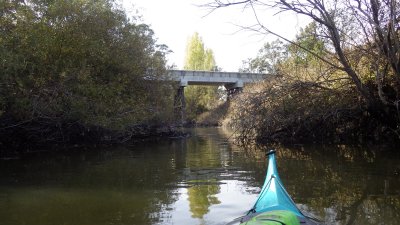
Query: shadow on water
x,y
199,180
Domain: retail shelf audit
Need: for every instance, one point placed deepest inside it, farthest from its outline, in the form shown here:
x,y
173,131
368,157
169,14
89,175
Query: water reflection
x,y
110,187
344,185
199,180
201,197
202,158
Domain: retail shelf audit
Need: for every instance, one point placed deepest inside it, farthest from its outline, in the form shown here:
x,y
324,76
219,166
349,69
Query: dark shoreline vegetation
x,y
294,111
82,72
258,119
43,133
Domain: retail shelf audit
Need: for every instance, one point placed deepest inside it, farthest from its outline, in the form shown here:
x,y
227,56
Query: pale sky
x,y
174,21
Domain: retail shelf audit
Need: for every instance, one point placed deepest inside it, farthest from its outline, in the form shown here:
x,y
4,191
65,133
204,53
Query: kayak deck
x,y
302,220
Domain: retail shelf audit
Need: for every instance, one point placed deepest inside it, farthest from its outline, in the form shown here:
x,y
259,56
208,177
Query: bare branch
x,y
220,4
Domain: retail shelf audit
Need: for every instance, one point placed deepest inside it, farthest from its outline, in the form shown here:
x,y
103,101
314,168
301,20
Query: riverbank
x,y
212,118
290,113
28,136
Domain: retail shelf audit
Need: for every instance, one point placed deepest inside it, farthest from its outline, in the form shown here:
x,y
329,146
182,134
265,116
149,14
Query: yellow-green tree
x,y
199,98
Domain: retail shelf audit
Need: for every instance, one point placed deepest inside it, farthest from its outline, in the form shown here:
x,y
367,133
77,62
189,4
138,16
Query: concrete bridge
x,y
233,82
228,79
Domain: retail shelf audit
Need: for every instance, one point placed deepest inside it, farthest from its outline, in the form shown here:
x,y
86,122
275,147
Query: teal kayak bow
x,y
273,195
274,206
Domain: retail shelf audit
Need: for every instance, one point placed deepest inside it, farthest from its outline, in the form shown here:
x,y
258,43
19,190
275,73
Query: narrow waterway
x,y
201,180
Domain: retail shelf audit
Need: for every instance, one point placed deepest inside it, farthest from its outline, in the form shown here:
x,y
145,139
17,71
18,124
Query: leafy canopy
x,y
79,60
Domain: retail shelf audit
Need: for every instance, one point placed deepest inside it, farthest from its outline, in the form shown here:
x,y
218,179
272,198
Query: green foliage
x,y
199,99
80,60
307,39
268,59
197,56
274,54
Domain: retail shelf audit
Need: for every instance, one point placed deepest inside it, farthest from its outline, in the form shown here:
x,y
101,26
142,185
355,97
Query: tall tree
x,y
199,98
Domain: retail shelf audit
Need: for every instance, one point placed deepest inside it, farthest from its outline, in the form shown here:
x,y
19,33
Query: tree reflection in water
x,y
202,161
201,197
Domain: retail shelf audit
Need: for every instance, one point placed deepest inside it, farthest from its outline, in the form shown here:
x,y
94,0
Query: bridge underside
x,y
225,84
180,103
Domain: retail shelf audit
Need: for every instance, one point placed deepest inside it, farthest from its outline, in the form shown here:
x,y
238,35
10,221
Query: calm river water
x,y
201,180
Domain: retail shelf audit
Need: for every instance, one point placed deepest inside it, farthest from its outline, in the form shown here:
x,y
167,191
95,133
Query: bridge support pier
x,y
180,105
